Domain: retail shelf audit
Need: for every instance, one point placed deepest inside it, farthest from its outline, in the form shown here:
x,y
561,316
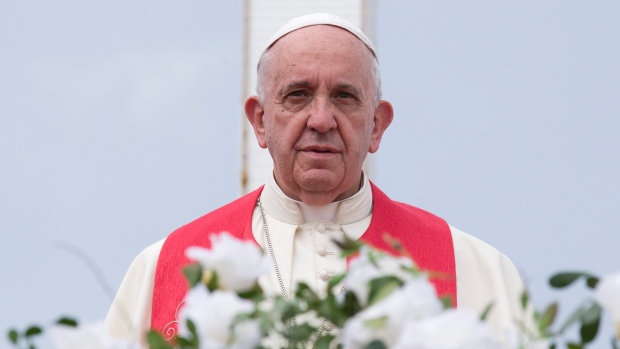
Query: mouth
x,y
320,150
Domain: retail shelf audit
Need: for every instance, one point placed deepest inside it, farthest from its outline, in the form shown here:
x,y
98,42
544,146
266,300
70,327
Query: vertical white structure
x,y
262,19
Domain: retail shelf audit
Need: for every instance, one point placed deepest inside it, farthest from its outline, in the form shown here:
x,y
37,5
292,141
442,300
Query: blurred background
x,y
119,122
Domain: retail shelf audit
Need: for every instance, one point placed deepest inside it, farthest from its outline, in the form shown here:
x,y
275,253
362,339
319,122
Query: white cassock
x,y
302,241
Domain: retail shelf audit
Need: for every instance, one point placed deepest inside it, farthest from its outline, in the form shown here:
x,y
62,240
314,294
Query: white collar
x,y
347,211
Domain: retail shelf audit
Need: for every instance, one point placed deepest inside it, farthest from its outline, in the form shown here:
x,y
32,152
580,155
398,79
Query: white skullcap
x,y
317,19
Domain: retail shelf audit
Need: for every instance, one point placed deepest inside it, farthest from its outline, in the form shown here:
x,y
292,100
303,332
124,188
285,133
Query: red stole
x,y
425,236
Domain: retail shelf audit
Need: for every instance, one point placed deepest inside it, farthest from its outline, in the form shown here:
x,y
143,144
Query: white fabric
x,y
317,19
305,252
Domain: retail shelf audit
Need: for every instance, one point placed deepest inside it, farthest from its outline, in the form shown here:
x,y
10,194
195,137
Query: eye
x,y
344,95
298,93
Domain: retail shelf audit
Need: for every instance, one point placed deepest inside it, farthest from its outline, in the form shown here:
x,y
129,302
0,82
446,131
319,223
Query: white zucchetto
x,y
319,19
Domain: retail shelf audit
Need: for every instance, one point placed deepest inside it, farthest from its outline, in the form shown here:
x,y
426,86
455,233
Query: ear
x,y
383,118
254,112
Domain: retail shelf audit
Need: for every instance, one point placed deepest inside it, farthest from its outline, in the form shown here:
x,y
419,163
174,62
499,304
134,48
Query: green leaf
x,y
191,327
573,318
548,316
301,332
525,299
590,323
211,281
377,323
290,310
334,281
13,336
382,287
574,346
592,281
446,301
305,292
348,246
33,331
376,344
486,311
193,274
552,346
561,280
323,342
67,322
156,341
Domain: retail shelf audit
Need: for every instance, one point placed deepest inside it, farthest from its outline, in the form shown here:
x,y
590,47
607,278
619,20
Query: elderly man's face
x,y
319,116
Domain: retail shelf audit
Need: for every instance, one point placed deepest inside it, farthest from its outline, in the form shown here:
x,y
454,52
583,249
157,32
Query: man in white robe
x,y
318,111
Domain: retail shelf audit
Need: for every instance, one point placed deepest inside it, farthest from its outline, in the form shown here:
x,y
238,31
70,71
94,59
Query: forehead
x,y
320,50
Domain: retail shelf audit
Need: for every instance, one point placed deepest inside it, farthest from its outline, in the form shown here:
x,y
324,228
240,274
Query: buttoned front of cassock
x,y
303,237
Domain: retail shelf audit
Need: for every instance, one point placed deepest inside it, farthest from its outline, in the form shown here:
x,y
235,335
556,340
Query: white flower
x,y
452,329
213,315
238,264
384,320
362,270
90,336
607,294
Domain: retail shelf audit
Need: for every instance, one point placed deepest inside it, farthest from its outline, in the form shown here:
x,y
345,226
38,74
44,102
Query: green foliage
x,y
587,315
375,345
382,287
377,323
26,338
348,247
156,341
13,336
591,281
486,311
33,331
67,321
323,342
525,299
300,333
590,323
193,274
548,317
564,279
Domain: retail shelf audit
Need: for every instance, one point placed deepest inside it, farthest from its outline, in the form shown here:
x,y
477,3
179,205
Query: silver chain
x,y
275,266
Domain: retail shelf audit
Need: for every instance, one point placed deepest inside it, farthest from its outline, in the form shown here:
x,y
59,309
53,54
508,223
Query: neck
x,y
287,209
314,198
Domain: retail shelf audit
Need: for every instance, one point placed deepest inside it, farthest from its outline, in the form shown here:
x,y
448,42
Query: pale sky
x,y
119,123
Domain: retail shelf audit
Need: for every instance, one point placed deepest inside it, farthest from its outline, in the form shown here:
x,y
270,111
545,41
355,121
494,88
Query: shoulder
x,y
486,276
234,217
386,209
235,210
465,243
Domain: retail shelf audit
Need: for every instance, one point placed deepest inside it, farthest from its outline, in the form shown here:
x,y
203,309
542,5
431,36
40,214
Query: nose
x,y
322,115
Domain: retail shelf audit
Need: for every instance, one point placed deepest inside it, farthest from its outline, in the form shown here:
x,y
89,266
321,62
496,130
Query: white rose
x,y
384,320
451,329
607,294
89,336
362,270
213,315
238,264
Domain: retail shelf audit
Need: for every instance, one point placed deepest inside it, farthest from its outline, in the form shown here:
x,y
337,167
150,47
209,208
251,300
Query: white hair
x,y
264,58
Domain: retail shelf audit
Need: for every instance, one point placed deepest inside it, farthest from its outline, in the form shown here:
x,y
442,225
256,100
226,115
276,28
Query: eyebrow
x,y
349,87
295,85
304,83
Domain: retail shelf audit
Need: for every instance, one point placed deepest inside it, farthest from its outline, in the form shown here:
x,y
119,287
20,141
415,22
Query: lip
x,y
320,149
319,153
